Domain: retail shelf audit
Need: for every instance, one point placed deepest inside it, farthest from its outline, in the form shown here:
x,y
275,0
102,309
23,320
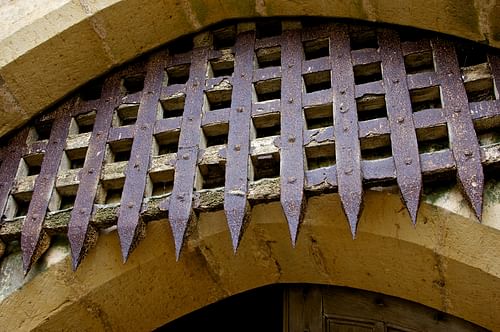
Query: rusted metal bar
x,y
463,139
180,212
236,205
131,228
34,240
345,119
399,111
292,196
8,169
81,234
494,61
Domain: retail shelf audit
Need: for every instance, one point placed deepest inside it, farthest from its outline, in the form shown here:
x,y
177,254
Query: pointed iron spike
x,y
32,249
130,237
236,209
411,199
294,213
352,210
81,245
474,193
180,228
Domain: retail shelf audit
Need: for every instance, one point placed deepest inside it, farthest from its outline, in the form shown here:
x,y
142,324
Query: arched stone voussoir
x,y
50,51
444,263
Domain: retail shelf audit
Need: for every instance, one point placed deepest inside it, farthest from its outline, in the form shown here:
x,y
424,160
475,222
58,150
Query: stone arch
x,y
68,33
446,263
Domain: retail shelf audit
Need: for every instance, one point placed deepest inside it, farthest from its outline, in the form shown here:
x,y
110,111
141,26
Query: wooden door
x,y
337,309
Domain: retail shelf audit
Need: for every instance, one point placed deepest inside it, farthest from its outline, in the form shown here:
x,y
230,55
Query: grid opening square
x,y
221,67
119,151
317,81
266,166
268,57
30,165
319,116
73,159
377,147
91,90
212,175
371,72
181,45
425,98
133,84
268,28
41,131
166,143
433,139
216,134
480,90
364,38
110,192
63,198
125,115
320,156
173,106
371,107
224,37
317,48
419,62
18,205
178,74
488,130
160,183
267,125
218,99
85,122
470,54
268,90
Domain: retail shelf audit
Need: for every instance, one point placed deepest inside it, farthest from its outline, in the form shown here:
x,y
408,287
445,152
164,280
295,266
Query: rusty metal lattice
x,y
308,109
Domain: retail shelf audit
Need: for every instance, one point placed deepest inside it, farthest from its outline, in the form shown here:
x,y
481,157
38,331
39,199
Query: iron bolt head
x,y
291,139
468,153
130,205
237,147
348,171
400,119
408,161
290,101
395,81
239,110
292,179
185,156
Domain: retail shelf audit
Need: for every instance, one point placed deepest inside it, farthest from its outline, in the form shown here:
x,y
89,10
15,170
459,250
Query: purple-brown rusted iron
x,y
463,139
236,205
130,225
292,127
180,212
14,151
34,241
81,234
345,119
399,111
286,102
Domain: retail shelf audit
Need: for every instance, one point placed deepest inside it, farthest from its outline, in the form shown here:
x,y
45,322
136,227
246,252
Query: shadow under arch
x,y
446,263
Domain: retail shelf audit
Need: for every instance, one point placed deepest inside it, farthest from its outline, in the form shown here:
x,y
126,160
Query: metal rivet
x,y
468,153
195,84
290,65
348,171
82,211
130,205
91,171
346,128
144,127
35,216
190,118
408,161
239,109
290,101
237,147
185,156
242,74
395,81
292,179
457,110
180,197
291,139
342,92
400,119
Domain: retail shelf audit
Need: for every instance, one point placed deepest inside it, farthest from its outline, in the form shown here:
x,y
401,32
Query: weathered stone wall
x,y
45,47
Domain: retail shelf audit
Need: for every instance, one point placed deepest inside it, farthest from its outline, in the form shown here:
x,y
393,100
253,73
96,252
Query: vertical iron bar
x,y
81,234
236,205
345,121
292,128
131,227
399,111
463,139
180,212
34,241
494,61
8,170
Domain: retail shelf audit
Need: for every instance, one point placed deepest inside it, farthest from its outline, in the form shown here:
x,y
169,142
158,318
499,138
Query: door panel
x,y
337,309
